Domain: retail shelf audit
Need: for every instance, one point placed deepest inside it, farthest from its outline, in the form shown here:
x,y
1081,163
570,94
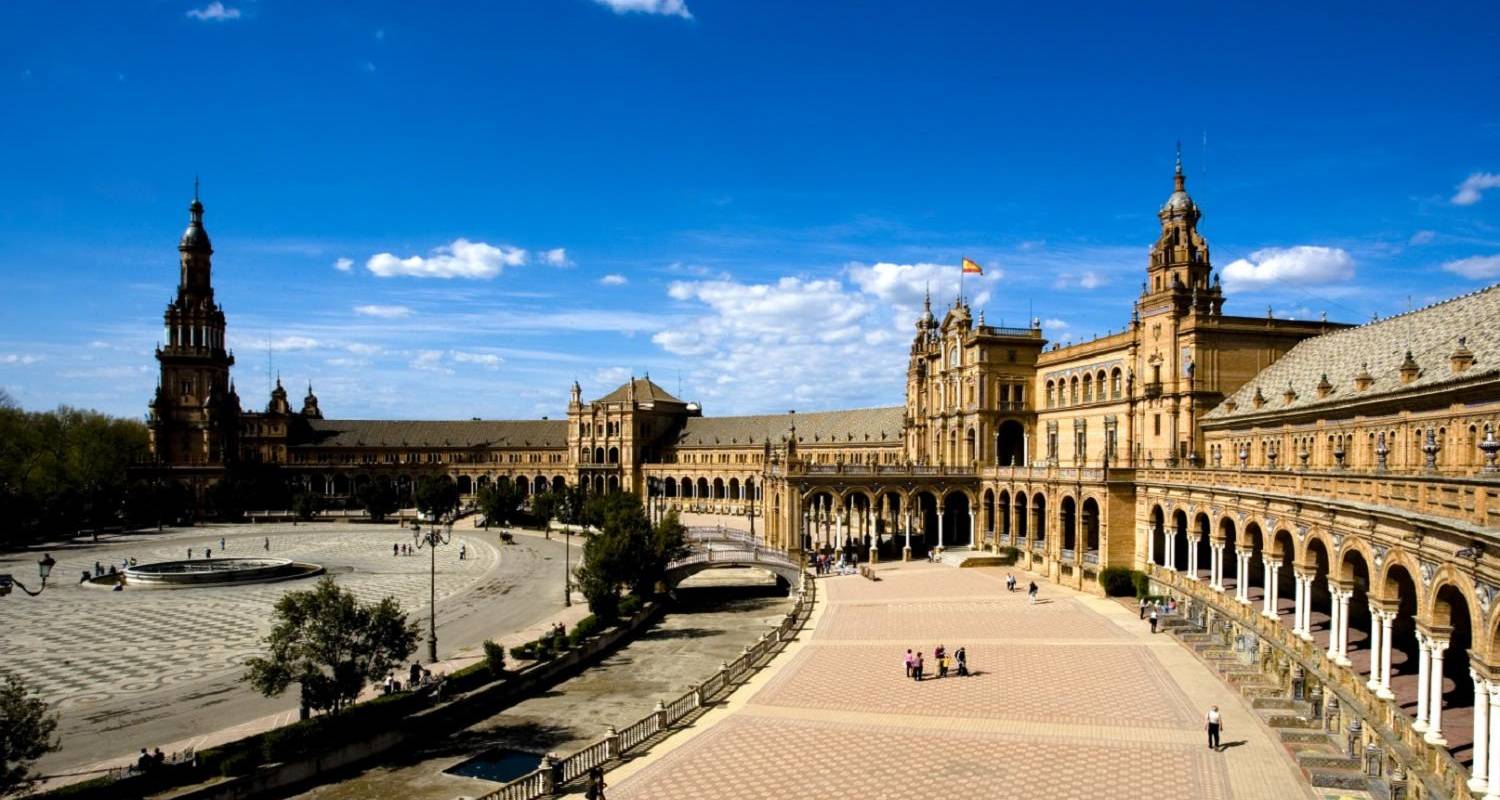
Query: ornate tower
x,y
194,418
1179,270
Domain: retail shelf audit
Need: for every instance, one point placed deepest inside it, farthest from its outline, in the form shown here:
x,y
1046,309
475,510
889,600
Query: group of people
x,y
149,762
418,677
1031,590
827,564
100,570
956,662
1154,609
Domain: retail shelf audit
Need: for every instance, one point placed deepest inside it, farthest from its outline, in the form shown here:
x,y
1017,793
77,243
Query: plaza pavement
x,y
148,668
1071,698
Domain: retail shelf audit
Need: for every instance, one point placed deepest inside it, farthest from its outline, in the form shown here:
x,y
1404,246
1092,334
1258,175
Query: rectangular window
x,y
1156,423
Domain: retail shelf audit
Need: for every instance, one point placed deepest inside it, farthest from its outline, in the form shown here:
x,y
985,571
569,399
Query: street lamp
x,y
436,534
43,568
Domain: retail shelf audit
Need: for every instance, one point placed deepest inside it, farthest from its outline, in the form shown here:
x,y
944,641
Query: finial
x,y
927,299
195,186
1179,157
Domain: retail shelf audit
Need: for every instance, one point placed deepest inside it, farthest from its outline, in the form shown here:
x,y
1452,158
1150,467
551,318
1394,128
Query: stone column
x,y
1387,619
940,526
874,539
1192,559
971,527
1242,576
906,551
1343,629
1494,741
1307,584
1150,545
1335,622
1297,603
1171,556
1424,680
1479,772
1216,566
1377,648
1434,733
1268,588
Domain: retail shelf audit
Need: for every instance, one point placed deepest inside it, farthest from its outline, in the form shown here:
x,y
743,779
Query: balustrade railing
x,y
1091,557
1067,554
544,781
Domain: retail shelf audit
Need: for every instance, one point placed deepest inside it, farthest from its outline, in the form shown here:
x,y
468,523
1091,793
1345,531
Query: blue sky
x,y
743,198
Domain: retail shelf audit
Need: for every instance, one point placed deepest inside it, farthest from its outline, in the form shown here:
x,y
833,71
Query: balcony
x,y
1069,554
1151,390
1091,557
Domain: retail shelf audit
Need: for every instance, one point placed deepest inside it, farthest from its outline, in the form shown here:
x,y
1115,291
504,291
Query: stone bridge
x,y
714,547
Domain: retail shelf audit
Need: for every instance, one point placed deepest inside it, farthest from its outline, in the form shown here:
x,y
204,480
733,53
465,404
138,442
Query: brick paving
x,y
1071,698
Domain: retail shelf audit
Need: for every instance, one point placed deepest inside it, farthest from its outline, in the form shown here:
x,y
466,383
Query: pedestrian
x,y
268,544
595,790
144,762
1031,592
208,552
158,758
221,543
1143,607
908,662
84,579
190,554
963,662
463,550
916,668
941,656
395,549
1215,725
1153,619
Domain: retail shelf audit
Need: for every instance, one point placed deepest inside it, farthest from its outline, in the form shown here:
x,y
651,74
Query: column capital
x,y
1437,645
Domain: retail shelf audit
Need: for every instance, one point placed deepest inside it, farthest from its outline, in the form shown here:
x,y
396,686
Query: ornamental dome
x,y
195,237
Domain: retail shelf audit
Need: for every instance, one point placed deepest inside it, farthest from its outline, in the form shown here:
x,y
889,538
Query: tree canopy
x,y
378,499
500,503
331,645
436,496
27,731
628,551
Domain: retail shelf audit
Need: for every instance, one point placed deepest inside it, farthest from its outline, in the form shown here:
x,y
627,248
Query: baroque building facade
x,y
1332,490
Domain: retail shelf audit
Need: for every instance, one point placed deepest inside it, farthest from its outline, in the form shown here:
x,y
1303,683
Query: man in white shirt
x,y
1215,726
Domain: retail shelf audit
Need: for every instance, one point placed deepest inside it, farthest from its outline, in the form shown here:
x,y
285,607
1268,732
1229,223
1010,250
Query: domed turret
x,y
1179,202
195,238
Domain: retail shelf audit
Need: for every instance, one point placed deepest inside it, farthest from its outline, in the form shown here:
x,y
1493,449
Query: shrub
x,y
584,629
1142,583
522,651
494,658
241,763
1118,581
630,605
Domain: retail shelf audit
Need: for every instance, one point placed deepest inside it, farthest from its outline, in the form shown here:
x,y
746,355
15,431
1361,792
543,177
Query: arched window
x,y
1073,390
1050,399
1088,388
1114,384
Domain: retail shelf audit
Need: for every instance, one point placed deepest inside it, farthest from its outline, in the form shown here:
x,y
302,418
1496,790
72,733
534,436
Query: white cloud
x,y
486,360
383,312
906,284
610,377
614,279
1302,265
671,8
344,264
21,359
430,361
294,343
359,348
461,259
1475,267
214,12
1088,279
556,257
1422,237
1470,191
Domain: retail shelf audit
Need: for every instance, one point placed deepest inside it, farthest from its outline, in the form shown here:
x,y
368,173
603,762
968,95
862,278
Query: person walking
x,y
595,790
1153,619
190,554
916,668
463,550
908,662
221,544
1214,724
1142,605
1031,592
208,552
963,662
268,544
395,549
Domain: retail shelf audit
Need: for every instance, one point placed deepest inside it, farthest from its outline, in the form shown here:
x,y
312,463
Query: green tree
x,y
27,731
544,507
626,552
500,504
436,496
307,505
378,499
330,645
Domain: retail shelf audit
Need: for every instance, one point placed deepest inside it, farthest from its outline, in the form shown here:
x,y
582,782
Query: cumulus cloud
x,y
670,8
486,360
344,264
1087,279
614,279
906,284
1472,189
382,312
611,377
294,343
1302,265
1422,237
461,259
556,257
1476,267
214,12
430,361
20,359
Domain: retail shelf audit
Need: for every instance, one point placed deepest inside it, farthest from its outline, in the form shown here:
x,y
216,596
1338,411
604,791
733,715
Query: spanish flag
x,y
972,268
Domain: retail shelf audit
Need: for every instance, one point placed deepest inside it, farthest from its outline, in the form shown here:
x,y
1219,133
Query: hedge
x,y
1119,581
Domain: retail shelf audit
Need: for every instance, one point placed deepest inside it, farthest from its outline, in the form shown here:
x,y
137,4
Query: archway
x,y
1067,518
1010,444
559,485
925,520
1452,709
1158,537
541,485
523,485
702,490
1229,576
1354,576
1320,600
598,455
1039,518
958,524
989,514
1180,541
718,489
1002,506
1021,516
669,487
465,485
1255,574
1283,553
614,455
614,484
1091,529
1398,596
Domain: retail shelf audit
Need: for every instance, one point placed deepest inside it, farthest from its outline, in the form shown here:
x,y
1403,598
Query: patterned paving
x,y
81,645
1071,698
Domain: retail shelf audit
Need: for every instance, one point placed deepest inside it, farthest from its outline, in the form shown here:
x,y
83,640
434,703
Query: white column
x,y
1424,680
1480,769
907,548
1192,559
1268,588
1171,557
940,526
1494,740
971,526
1377,648
1334,622
1343,629
1387,619
1297,604
1242,576
1435,695
1216,567
1150,545
1307,584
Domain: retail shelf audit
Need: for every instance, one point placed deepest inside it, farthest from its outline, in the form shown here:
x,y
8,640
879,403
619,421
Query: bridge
x,y
715,547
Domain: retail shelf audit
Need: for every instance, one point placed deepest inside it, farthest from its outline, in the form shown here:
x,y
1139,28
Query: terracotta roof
x,y
646,391
855,426
444,433
1431,335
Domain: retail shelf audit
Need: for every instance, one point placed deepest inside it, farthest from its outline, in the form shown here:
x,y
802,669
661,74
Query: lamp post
x,y
43,568
567,570
436,534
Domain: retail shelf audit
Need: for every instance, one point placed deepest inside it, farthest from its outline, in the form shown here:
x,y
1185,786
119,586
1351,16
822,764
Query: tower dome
x,y
195,238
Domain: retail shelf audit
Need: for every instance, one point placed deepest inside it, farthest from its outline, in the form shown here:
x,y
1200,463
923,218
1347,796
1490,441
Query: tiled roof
x,y
457,433
855,426
646,391
1430,334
